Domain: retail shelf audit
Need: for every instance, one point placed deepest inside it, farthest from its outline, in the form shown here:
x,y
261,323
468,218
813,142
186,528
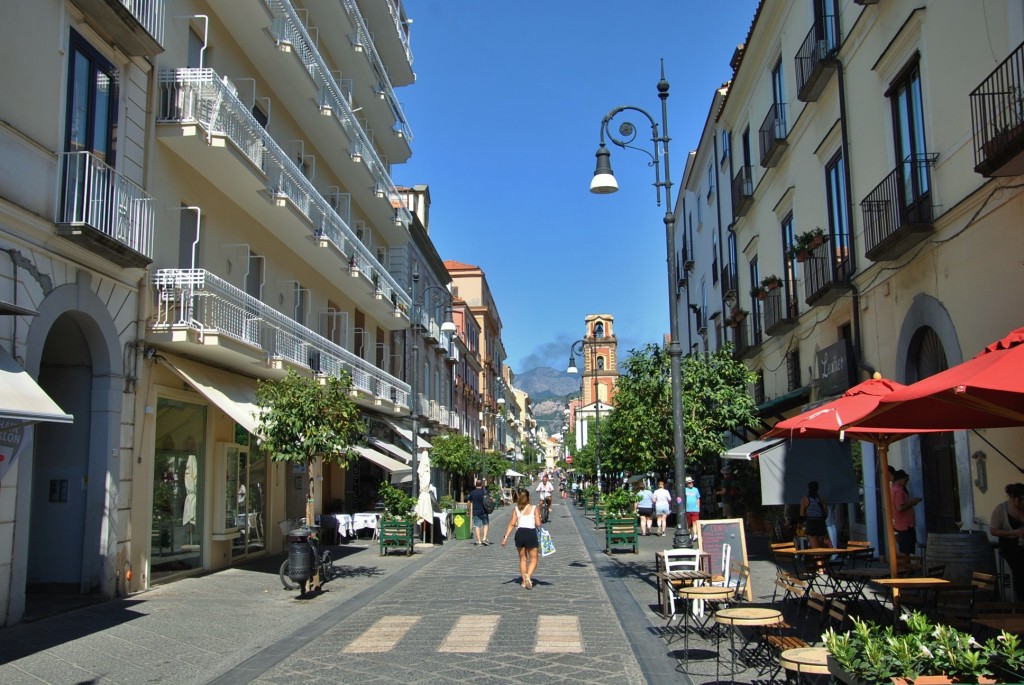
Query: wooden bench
x,y
397,535
621,533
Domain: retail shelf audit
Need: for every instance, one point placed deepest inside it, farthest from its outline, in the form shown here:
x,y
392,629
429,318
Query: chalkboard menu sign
x,y
712,534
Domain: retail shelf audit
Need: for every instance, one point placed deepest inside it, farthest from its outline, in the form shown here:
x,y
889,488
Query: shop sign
x,y
835,369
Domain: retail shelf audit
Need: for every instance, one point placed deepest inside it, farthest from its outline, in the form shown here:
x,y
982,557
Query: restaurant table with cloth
x,y
366,519
739,617
345,527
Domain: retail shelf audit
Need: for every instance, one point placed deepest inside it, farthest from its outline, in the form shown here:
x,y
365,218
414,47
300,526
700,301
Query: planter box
x,y
621,532
396,534
841,675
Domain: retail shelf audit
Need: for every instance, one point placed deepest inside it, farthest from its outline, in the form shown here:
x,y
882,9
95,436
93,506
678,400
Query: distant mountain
x,y
549,391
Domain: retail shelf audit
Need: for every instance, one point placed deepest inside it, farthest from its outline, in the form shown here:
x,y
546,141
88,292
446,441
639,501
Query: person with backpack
x,y
478,499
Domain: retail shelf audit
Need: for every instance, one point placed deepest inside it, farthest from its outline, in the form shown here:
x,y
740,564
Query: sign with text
x,y
713,535
835,369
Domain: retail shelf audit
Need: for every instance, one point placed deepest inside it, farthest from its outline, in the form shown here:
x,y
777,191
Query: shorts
x,y
661,508
645,511
480,520
692,517
815,527
526,538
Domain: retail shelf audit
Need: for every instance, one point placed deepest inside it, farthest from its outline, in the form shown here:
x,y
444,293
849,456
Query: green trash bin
x,y
462,524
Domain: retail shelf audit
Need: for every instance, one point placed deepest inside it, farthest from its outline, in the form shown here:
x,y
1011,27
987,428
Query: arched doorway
x,y
938,455
60,467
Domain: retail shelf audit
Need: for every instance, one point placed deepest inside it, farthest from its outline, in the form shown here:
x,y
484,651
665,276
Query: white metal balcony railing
x,y
401,27
287,27
433,410
92,193
149,13
200,96
198,299
387,90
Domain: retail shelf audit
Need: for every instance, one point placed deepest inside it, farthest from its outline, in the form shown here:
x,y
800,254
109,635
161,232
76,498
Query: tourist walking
x,y
525,521
692,498
813,513
662,505
481,519
645,508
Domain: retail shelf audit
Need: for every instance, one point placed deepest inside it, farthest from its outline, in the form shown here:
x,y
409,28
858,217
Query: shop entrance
x,y
246,488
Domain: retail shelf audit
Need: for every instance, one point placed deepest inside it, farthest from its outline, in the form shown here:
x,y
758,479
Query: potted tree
x,y
396,523
620,524
921,652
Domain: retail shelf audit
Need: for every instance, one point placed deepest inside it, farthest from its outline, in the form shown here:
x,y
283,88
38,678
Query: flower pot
x,y
762,294
817,241
841,674
803,255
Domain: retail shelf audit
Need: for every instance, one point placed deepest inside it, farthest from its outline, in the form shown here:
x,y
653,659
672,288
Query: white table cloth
x,y
345,526
364,520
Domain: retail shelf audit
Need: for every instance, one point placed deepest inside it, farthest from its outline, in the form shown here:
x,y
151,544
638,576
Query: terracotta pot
x,y
817,241
803,255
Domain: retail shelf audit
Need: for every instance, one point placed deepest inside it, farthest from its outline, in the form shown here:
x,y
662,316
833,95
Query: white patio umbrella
x,y
509,473
424,502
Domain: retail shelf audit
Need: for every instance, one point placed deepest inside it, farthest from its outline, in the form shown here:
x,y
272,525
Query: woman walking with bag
x,y
526,521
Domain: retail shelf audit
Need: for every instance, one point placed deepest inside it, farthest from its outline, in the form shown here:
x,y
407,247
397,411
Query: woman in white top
x,y
526,521
662,501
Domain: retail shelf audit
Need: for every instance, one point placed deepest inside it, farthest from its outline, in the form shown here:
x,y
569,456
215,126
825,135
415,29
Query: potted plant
x,y
620,522
737,315
395,529
397,505
919,653
771,282
760,292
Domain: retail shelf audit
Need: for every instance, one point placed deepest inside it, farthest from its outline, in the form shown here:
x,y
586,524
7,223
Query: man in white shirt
x,y
544,490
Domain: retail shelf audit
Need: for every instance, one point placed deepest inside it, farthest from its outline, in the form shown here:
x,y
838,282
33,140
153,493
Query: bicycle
x,y
545,509
323,566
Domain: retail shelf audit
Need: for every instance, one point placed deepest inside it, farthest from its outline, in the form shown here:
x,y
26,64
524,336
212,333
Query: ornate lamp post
x,y
579,348
435,295
603,183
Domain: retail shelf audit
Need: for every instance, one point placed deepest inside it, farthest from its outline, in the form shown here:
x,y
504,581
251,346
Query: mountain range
x,y
549,391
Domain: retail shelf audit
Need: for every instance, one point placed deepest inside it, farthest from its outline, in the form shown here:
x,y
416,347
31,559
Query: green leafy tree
x,y
305,420
456,455
638,434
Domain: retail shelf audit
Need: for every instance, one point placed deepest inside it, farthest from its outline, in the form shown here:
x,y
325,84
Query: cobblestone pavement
x,y
452,613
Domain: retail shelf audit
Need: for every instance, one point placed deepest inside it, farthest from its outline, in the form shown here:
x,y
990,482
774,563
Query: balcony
x,y
997,119
827,273
816,59
898,212
730,282
202,120
746,339
203,316
136,26
390,29
277,42
103,211
780,311
742,191
772,136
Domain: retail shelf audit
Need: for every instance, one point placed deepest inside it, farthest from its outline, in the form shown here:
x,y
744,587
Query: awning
x,y
787,466
752,449
393,450
22,401
234,394
407,434
382,460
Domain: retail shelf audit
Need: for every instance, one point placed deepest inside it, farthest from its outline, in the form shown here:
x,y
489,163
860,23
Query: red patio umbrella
x,y
841,416
984,392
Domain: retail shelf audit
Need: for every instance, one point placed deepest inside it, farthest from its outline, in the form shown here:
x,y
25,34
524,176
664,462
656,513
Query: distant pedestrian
x,y
813,513
645,508
692,498
526,521
662,505
904,521
481,519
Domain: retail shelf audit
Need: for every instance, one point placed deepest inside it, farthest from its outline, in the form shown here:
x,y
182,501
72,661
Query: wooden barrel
x,y
962,553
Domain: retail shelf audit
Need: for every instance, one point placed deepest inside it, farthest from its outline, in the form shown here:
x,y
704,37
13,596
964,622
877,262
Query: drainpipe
x,y
858,350
14,319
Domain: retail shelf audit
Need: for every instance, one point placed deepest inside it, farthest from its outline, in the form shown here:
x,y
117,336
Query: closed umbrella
x,y
424,503
841,415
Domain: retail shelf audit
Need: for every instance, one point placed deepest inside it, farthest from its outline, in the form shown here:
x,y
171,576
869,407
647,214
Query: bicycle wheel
x,y
285,580
327,566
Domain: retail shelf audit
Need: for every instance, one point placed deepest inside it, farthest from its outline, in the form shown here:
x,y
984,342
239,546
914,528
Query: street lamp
x,y
436,299
604,182
578,347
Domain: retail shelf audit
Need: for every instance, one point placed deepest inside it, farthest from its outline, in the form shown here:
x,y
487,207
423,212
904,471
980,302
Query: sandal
x,y
528,584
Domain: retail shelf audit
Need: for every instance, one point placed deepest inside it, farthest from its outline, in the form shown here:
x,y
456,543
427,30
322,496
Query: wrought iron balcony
x,y
742,191
827,273
898,212
205,315
780,311
137,26
200,97
816,58
746,339
99,208
730,282
772,136
997,119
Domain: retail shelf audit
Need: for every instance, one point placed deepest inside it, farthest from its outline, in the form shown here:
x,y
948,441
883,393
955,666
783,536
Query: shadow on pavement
x,y
26,639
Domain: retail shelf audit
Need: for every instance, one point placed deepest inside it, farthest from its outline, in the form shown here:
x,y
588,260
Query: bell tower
x,y
600,359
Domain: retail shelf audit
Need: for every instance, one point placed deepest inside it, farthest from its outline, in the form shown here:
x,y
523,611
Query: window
x,y
711,181
92,102
714,257
188,239
301,303
791,266
599,330
725,147
838,218
911,152
254,276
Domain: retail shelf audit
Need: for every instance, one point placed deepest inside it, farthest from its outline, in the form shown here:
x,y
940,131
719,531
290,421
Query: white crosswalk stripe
x,y
471,635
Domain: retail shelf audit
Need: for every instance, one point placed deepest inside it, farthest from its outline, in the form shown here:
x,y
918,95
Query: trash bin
x,y
300,555
462,524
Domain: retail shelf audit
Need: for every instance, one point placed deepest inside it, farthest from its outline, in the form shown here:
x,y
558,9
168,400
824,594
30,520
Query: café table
x,y
694,598
805,660
808,562
1012,623
366,519
670,581
739,617
345,527
925,584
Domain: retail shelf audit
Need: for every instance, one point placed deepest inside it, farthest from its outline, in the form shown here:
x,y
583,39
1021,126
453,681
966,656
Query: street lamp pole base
x,y
682,539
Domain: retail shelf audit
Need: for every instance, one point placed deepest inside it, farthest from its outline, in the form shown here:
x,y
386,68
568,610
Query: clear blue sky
x,y
506,114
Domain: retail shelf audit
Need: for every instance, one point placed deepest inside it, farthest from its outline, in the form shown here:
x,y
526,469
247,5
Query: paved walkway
x,y
452,613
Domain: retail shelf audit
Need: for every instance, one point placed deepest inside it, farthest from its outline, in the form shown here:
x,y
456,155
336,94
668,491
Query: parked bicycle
x,y
297,572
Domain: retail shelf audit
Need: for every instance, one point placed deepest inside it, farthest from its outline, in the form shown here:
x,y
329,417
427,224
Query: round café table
x,y
805,660
694,597
738,617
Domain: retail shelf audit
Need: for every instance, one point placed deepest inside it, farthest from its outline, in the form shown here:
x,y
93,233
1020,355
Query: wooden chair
x,y
958,607
864,557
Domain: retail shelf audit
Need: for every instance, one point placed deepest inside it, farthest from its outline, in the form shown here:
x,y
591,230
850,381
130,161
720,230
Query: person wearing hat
x,y
903,518
692,496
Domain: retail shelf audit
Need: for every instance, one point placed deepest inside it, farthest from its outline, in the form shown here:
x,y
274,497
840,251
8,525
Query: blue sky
x,y
506,115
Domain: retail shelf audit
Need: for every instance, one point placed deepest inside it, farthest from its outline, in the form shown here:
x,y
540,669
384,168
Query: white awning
x,y
234,394
407,434
753,449
382,460
393,450
22,401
